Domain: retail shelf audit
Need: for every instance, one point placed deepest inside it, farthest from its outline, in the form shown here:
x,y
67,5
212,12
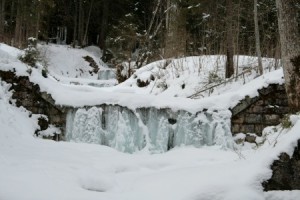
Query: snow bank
x,y
79,96
83,95
14,122
185,76
34,169
67,61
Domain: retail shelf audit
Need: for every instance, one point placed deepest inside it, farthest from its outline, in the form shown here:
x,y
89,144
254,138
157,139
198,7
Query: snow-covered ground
x,y
32,168
68,65
186,76
81,94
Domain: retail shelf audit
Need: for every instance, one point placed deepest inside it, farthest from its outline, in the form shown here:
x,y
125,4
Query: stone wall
x,y
252,115
286,172
29,96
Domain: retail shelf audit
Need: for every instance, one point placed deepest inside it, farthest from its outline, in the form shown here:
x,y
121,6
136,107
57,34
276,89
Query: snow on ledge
x,y
83,95
78,96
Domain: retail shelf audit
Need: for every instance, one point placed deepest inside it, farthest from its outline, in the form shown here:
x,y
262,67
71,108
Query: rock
x,y
250,138
286,172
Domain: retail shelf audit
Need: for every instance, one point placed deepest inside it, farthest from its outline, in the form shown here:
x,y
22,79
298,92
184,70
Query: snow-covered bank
x,y
183,77
34,169
78,95
197,122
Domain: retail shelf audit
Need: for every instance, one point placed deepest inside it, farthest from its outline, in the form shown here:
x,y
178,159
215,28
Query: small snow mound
x,y
96,181
96,51
280,195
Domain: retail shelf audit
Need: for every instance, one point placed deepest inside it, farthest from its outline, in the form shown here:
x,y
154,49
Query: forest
x,y
150,99
143,31
128,29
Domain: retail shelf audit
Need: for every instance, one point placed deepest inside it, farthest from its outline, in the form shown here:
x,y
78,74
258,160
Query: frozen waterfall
x,y
106,74
157,130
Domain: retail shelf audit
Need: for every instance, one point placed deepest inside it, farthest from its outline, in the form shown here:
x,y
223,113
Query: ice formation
x,y
158,130
106,74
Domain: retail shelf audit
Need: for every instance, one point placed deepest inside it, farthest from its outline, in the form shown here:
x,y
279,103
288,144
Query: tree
x,y
2,17
257,39
176,30
229,39
290,48
103,29
75,31
87,23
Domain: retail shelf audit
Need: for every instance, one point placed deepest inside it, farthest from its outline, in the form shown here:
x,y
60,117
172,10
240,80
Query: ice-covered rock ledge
x,y
84,95
148,129
129,122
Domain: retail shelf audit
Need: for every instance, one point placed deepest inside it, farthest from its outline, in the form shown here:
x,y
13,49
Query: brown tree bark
x,y
2,18
103,31
176,30
80,22
290,49
38,18
87,23
19,24
75,23
257,39
229,71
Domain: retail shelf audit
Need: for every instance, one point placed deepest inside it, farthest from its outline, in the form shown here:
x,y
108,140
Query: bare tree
x,y
257,39
19,23
80,22
87,23
75,23
176,30
229,39
2,17
103,30
290,48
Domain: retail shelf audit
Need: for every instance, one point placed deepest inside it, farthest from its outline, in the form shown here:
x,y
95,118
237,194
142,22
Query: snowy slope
x,y
185,76
68,65
80,95
34,169
67,61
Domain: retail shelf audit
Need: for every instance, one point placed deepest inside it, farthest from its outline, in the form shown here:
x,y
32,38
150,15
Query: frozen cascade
x,y
85,126
158,130
106,74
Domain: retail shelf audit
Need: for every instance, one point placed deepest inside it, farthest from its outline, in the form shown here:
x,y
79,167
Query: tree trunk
x,y
80,23
102,36
290,49
257,39
19,24
237,42
87,24
229,71
2,17
75,24
38,18
176,31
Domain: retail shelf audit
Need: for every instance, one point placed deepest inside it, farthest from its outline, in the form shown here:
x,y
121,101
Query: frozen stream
x,y
156,130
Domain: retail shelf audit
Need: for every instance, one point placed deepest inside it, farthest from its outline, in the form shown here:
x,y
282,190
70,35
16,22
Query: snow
x,y
79,96
68,65
185,76
67,61
82,94
282,195
34,169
